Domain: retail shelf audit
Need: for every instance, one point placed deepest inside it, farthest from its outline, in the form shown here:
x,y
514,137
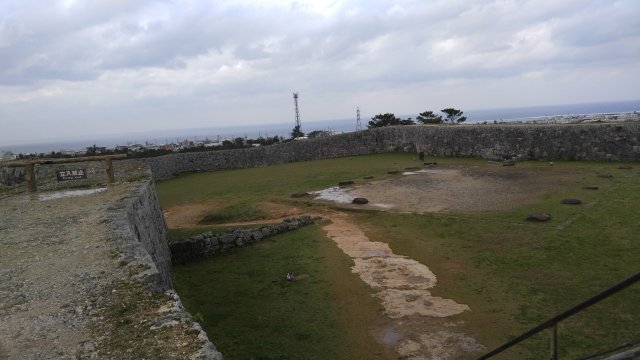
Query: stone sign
x,y
71,174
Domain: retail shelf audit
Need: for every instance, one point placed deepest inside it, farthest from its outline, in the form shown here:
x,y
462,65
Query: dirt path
x,y
418,326
53,254
61,278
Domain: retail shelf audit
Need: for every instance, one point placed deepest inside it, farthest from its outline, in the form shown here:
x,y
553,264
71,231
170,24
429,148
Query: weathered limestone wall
x,y
598,142
209,244
142,233
142,236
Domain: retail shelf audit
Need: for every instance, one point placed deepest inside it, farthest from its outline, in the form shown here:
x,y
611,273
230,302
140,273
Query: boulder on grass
x,y
571,201
542,217
345,183
509,163
360,200
299,194
368,177
591,187
393,172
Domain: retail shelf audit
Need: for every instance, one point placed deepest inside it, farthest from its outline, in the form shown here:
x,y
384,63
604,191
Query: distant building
x,y
136,148
7,156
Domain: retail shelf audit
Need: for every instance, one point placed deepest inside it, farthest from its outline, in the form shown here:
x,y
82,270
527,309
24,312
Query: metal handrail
x,y
609,351
553,322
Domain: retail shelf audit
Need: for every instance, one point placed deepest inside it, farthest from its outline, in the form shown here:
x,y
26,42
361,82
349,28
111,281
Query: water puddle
x,y
424,171
334,194
69,193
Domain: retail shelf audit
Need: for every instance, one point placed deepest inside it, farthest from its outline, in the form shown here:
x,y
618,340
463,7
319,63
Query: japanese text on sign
x,y
71,174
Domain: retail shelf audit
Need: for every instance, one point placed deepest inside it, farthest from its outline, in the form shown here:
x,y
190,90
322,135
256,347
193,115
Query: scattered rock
x,y
299,194
542,217
591,187
346,182
571,201
360,200
508,163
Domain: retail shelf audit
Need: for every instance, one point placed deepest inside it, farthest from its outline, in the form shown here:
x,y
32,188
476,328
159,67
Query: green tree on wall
x,y
428,117
454,116
388,119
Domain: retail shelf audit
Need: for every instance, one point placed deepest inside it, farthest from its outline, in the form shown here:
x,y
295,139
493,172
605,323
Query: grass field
x,y
512,273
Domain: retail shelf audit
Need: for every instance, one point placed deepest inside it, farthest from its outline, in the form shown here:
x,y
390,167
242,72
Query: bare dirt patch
x,y
458,189
189,215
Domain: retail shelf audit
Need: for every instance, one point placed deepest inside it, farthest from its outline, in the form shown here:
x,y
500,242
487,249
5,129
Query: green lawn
x,y
512,273
250,311
244,186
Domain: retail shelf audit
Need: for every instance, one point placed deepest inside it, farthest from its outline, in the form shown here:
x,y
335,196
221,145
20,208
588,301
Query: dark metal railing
x,y
553,322
626,345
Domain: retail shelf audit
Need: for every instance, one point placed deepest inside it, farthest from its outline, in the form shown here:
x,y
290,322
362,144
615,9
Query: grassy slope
x,y
512,273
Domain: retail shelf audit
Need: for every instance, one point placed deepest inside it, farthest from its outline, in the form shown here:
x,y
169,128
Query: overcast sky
x,y
74,67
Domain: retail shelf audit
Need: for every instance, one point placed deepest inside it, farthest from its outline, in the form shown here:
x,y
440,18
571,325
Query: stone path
x,y
418,326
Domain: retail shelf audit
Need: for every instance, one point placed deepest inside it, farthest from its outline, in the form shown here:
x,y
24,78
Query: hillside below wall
x,y
598,142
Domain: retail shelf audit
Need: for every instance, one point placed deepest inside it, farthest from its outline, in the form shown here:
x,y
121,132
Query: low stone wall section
x,y
596,142
208,244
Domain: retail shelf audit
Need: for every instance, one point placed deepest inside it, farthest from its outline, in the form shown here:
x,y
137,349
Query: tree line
x,y
452,116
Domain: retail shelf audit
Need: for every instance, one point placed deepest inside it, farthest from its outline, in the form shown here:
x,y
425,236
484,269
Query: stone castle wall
x,y
142,238
597,142
209,244
139,225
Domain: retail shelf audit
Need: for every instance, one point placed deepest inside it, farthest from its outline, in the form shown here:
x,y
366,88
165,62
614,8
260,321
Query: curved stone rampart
x,y
597,142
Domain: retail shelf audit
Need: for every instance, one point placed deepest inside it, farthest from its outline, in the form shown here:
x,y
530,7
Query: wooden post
x,y
31,177
110,170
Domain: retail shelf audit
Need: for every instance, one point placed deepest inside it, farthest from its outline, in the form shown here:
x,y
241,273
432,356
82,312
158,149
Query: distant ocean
x,y
343,125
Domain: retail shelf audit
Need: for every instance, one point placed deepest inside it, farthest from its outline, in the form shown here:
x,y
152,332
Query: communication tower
x,y
358,123
295,101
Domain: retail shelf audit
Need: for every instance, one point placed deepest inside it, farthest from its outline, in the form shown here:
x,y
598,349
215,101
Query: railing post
x,y
110,170
554,341
31,177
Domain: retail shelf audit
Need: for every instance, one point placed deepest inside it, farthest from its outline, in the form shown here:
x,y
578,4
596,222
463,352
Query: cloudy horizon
x,y
74,68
